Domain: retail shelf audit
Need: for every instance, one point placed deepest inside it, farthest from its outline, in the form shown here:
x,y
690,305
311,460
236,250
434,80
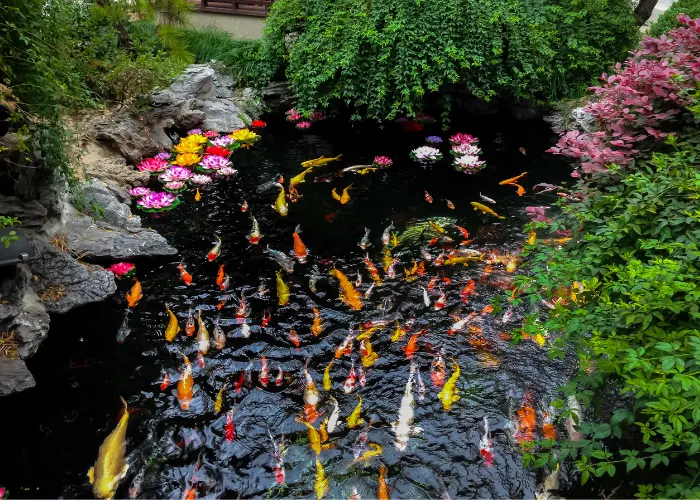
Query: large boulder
x,y
31,213
112,210
63,283
14,376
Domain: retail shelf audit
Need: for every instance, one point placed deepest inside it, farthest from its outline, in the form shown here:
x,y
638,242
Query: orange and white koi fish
x,y
189,324
351,380
219,336
244,206
522,150
316,326
294,338
220,275
441,302
512,180
310,396
383,489
428,198
467,291
486,446
465,233
448,394
134,294
432,283
437,370
345,347
300,250
439,260
348,294
548,430
242,311
254,236
459,324
166,382
216,251
173,326
391,270
185,386
372,269
483,208
403,427
450,205
197,196
281,206
202,335
358,281
186,277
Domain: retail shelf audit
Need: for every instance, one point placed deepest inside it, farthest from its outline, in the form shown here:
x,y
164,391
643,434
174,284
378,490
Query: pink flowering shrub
x,y
634,106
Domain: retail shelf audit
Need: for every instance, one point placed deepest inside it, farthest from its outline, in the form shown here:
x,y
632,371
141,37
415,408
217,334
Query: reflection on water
x,y
81,370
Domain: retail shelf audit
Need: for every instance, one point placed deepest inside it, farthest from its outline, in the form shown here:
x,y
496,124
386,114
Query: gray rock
x,y
64,284
14,376
526,110
111,210
556,122
92,239
31,213
221,115
581,120
31,325
106,167
131,136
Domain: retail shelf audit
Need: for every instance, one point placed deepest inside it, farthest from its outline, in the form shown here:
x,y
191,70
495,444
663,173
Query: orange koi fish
x,y
294,338
266,318
428,198
486,310
412,345
197,196
202,335
527,421
214,252
548,430
512,180
186,277
189,324
185,386
220,275
316,327
310,396
467,291
437,370
348,294
383,489
372,269
135,294
465,233
520,189
300,250
450,205
165,383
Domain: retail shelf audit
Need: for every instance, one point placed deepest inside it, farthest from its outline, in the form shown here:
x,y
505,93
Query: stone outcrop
x,y
14,376
577,119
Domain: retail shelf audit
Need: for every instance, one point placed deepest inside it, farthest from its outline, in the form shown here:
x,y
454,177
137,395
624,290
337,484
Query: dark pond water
x,y
52,433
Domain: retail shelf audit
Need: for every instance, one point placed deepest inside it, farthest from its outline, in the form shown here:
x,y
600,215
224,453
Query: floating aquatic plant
x,y
195,139
200,179
293,117
224,141
465,149
174,186
382,161
187,147
122,269
213,162
164,155
426,153
303,125
175,174
218,151
258,124
139,191
187,159
469,164
195,131
460,138
317,116
152,165
158,202
210,134
226,171
433,139
245,136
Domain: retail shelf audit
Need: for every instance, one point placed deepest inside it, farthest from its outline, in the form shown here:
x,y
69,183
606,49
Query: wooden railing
x,y
258,8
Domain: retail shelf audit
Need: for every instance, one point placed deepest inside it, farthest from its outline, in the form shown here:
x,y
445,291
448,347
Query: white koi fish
x,y
404,427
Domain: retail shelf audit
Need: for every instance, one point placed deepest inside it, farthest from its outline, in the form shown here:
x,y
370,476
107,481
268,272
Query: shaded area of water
x,y
57,428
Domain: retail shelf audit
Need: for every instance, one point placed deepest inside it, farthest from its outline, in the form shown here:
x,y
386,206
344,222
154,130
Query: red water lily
x,y
258,124
218,151
122,269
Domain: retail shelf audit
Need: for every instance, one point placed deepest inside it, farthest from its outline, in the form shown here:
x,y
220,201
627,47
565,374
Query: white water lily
x,y
426,153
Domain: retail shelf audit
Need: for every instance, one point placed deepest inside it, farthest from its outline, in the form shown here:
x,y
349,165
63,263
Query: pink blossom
x,y
200,179
174,186
226,171
317,116
537,214
460,138
303,125
139,191
153,165
382,161
175,174
195,131
214,162
294,117
209,134
157,201
120,270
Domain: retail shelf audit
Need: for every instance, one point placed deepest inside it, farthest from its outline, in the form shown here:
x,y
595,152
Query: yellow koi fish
x,y
327,382
531,238
321,484
369,355
323,430
282,290
111,464
374,451
348,294
512,180
437,228
298,179
319,162
453,261
448,394
387,259
399,333
345,197
281,206
202,335
314,438
485,209
394,240
173,327
354,419
219,399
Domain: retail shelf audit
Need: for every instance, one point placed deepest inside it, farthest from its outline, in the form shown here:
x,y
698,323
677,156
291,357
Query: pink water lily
x,y
174,186
163,155
469,162
226,171
200,179
466,149
213,162
222,141
195,131
209,134
175,174
121,270
153,165
158,201
139,191
460,138
382,161
303,125
317,116
294,117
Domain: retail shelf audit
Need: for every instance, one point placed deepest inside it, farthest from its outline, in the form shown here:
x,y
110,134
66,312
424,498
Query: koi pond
x,y
261,425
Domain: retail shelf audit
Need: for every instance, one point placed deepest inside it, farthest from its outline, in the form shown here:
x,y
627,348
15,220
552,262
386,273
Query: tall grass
x,y
239,57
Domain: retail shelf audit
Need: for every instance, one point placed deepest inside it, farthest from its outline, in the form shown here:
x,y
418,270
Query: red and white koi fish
x,y
215,251
280,377
351,381
200,359
278,468
441,302
432,283
391,270
486,445
242,310
186,277
189,324
361,377
166,382
345,347
229,429
372,269
254,236
294,338
437,370
467,291
224,284
358,281
368,292
300,251
266,318
458,325
219,335
364,242
428,198
465,233
450,205
264,372
439,260
244,206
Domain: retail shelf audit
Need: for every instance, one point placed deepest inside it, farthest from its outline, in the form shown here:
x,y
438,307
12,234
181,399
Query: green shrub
x,y
385,57
667,21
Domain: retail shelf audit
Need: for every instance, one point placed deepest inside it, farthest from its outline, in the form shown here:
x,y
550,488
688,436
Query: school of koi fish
x,y
443,268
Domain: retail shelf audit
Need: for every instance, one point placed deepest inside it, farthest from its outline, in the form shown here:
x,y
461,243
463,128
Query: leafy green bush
x,y
667,21
385,57
241,58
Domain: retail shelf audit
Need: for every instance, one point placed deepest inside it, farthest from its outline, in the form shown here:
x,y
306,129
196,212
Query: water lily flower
x,y
303,125
210,134
426,153
158,202
245,136
469,162
152,165
294,117
175,174
195,138
122,269
382,161
433,139
317,116
460,138
164,155
258,124
218,151
187,147
200,179
213,162
291,112
174,186
465,149
139,191
223,141
187,159
226,171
